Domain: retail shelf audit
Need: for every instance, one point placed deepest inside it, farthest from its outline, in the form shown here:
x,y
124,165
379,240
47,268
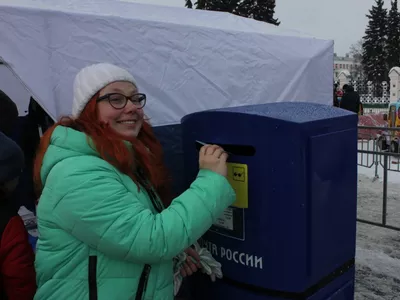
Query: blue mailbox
x,y
291,233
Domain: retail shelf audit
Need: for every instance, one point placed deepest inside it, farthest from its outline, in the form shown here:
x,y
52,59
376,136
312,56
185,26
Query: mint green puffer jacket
x,y
92,220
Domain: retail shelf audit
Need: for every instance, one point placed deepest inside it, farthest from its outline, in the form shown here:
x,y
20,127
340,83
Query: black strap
x,y
154,200
151,193
144,278
92,277
293,295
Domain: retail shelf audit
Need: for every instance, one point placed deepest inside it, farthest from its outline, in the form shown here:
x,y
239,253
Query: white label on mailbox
x,y
238,257
226,220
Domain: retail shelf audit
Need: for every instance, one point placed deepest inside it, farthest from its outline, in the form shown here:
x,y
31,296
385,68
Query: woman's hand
x,y
213,158
192,263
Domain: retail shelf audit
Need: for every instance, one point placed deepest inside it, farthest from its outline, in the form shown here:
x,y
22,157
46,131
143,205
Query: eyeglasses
x,y
119,101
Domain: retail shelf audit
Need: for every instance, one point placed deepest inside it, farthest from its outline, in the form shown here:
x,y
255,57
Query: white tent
x,y
184,60
15,89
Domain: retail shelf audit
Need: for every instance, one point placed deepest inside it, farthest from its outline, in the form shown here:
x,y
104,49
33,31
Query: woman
x,y
104,232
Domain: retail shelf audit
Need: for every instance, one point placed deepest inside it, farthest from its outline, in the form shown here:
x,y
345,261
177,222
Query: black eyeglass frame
x,y
130,98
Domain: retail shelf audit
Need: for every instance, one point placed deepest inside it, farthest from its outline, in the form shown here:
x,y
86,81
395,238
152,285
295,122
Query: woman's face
x,y
126,121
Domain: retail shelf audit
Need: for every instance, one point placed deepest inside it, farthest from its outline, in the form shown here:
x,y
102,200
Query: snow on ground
x,y
378,249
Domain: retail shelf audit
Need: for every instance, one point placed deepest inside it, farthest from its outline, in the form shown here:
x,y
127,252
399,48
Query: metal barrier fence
x,y
374,110
375,151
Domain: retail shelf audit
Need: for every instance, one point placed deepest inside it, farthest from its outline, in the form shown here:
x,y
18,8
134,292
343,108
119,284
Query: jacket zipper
x,y
144,279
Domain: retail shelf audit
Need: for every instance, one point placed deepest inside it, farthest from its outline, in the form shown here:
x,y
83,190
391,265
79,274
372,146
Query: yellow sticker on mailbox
x,y
238,178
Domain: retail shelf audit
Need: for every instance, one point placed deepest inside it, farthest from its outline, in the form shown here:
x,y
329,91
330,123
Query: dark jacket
x,y
8,114
24,131
351,100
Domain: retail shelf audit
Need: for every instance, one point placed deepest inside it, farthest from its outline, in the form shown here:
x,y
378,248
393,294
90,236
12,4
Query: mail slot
x,y
291,232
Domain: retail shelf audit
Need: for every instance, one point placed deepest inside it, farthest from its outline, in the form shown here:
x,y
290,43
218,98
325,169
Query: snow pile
x,y
378,249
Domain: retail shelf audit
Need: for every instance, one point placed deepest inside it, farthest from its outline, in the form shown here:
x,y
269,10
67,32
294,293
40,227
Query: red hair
x,y
147,151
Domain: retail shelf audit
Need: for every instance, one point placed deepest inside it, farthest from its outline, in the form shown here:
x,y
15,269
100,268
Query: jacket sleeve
x,y
98,210
18,270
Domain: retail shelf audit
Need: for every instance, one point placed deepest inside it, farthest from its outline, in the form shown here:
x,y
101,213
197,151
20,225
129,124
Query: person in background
x,y
339,95
335,98
107,226
17,271
19,131
350,100
8,114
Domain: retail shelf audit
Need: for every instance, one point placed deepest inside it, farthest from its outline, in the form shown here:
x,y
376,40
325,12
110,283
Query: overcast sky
x,y
343,21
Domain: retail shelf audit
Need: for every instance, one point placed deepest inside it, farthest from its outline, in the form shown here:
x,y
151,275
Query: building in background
x,y
346,66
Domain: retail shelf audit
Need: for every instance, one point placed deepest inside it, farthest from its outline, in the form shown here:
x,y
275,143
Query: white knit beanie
x,y
92,79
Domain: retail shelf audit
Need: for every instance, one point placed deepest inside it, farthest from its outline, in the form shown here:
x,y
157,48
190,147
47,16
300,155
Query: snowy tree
x,y
262,10
356,50
200,4
374,44
393,41
217,5
189,4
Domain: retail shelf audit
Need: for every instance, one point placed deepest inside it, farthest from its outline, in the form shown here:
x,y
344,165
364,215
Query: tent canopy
x,y
184,60
14,88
